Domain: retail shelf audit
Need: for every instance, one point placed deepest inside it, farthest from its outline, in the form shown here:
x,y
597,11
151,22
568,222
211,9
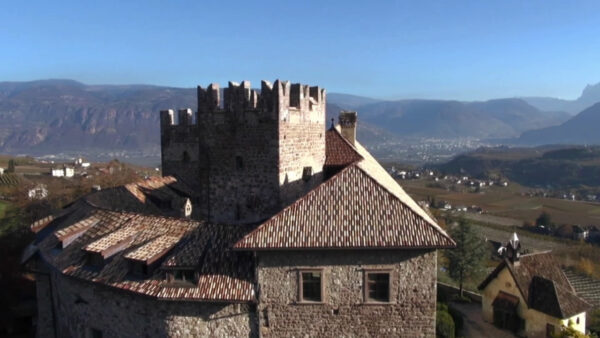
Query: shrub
x,y
444,326
458,320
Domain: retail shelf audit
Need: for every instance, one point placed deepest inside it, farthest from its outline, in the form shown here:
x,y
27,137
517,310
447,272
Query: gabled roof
x,y
542,284
338,151
350,210
142,195
121,237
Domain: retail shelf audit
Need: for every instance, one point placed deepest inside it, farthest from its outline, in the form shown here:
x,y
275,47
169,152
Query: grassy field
x,y
509,202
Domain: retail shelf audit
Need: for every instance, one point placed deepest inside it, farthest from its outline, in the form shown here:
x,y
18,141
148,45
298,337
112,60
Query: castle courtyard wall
x,y
344,312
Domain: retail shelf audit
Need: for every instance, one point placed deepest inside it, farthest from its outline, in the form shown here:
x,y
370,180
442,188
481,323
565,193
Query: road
x,y
474,326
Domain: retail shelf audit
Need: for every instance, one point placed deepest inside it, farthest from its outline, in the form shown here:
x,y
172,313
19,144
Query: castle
x,y
266,222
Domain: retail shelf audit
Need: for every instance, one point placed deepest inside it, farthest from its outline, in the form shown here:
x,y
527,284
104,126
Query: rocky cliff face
x,y
67,115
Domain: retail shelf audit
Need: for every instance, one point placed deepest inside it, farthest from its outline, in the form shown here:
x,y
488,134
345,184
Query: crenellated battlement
x,y
281,100
247,151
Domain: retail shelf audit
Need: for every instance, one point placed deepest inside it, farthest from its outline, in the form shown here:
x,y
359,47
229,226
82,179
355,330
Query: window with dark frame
x,y
550,329
184,275
310,282
377,286
186,157
306,173
95,260
139,269
239,163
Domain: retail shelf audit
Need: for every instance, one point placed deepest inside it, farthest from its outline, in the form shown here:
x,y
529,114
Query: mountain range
x,y
589,96
51,116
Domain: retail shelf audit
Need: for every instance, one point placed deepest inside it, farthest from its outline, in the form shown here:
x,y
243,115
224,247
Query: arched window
x,y
186,157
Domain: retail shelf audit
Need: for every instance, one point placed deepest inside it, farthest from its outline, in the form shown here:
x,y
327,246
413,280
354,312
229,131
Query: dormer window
x,y
182,276
95,260
139,269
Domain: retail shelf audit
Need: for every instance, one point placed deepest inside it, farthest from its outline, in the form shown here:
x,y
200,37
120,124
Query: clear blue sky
x,y
429,49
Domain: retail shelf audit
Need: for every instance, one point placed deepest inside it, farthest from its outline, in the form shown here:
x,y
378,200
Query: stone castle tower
x,y
248,154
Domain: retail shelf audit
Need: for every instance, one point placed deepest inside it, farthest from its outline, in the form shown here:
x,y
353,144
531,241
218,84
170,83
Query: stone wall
x,y
44,320
344,313
81,306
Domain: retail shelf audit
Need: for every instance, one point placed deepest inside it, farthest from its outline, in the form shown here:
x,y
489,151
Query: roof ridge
x,y
345,140
297,201
436,228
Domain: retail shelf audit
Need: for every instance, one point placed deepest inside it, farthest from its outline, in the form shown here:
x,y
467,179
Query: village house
x,y
65,171
267,222
530,295
38,192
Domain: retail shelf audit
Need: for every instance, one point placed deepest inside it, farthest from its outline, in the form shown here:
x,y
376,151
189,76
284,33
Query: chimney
x,y
348,125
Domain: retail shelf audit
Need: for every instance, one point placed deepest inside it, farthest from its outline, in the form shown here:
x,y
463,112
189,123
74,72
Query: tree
x,y
543,219
11,166
466,260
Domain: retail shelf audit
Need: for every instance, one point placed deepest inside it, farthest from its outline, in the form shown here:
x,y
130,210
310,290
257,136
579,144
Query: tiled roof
x,y
223,274
70,233
542,284
339,152
153,249
359,207
40,224
350,210
142,196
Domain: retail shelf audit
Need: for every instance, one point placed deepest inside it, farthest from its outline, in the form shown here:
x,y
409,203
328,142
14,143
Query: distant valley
x,y
51,117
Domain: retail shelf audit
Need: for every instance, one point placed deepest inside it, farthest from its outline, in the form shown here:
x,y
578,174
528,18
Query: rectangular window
x,y
96,260
377,286
184,275
311,286
306,173
139,269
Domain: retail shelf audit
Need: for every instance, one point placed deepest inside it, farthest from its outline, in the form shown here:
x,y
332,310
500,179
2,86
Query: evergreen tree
x,y
11,166
544,219
467,259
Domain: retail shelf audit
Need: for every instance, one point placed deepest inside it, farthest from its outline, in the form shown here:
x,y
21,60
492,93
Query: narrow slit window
x,y
307,173
311,283
378,287
239,163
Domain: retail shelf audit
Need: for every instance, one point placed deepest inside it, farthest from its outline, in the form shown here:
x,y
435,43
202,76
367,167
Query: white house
x,y
38,192
69,172
63,172
58,172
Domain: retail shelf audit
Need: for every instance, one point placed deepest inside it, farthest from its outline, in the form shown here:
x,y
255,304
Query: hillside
x,y
62,115
580,129
502,118
554,166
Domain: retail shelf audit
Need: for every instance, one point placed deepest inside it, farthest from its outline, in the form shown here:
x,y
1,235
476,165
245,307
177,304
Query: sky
x,y
464,50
